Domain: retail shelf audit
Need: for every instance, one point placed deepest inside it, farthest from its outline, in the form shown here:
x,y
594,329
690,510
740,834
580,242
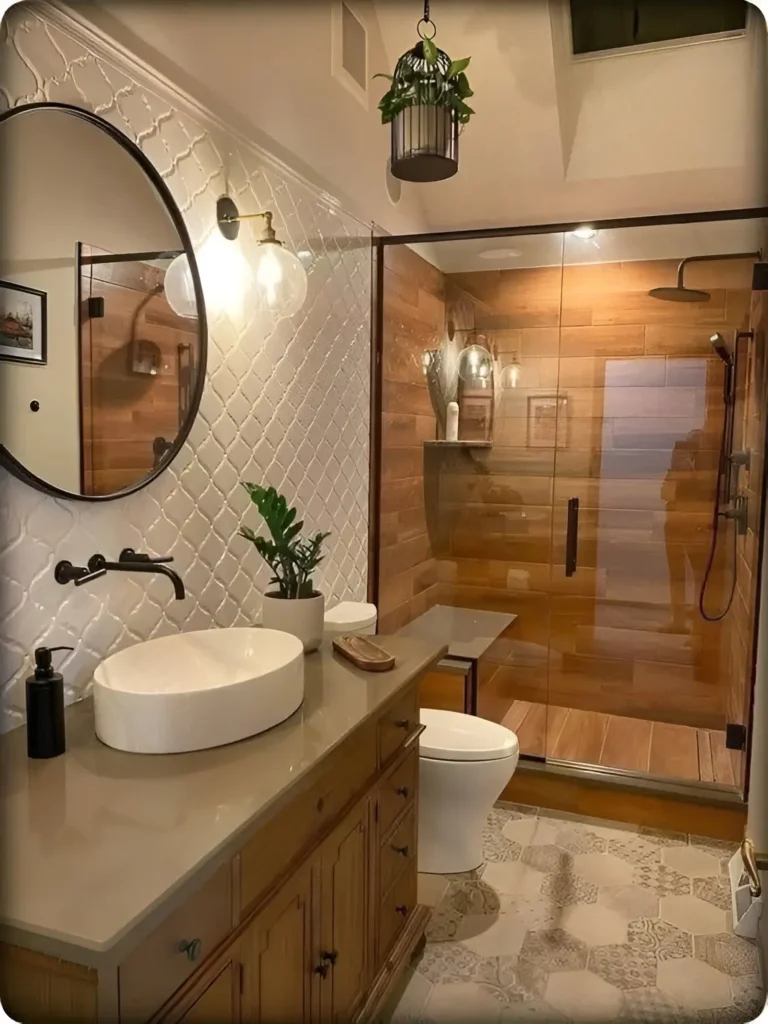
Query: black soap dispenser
x,y
45,707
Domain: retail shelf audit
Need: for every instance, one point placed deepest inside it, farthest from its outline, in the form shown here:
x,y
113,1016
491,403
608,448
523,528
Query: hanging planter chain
x,y
426,105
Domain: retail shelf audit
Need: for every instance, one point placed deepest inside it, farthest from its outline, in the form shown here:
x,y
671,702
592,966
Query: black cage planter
x,y
425,136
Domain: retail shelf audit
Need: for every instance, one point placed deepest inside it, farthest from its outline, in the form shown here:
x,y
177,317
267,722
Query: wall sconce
x,y
281,280
476,364
510,375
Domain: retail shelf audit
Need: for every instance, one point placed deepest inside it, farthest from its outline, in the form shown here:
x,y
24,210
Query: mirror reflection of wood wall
x,y
131,380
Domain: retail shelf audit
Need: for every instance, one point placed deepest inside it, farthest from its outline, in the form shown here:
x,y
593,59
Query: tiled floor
x,y
613,741
571,920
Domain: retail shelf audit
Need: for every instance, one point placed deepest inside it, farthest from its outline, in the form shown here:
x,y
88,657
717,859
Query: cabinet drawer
x,y
398,725
395,909
156,968
266,856
398,789
397,850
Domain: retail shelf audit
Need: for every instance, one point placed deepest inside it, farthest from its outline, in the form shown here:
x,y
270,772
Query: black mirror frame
x,y
7,461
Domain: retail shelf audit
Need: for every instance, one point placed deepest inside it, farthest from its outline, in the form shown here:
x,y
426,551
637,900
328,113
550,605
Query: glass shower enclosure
x,y
590,533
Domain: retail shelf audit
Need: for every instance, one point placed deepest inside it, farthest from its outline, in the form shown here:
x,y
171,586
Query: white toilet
x,y
464,764
350,617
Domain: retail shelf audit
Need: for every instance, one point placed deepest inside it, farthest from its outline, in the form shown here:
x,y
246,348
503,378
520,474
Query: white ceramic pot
x,y
303,617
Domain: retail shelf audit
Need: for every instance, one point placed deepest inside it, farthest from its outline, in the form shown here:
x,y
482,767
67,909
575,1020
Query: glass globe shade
x,y
280,278
475,363
180,289
510,375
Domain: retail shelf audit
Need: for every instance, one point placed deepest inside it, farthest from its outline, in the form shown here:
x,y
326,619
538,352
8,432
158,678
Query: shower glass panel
x,y
466,524
639,680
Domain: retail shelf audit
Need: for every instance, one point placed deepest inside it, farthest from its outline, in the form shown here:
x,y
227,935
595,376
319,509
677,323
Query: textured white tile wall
x,y
285,403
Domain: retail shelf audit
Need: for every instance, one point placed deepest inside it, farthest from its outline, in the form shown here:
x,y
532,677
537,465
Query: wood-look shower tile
x,y
602,341
674,751
515,717
556,720
627,744
706,769
581,738
532,732
722,765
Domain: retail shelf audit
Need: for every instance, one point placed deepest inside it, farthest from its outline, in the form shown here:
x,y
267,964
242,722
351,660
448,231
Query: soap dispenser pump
x,y
45,707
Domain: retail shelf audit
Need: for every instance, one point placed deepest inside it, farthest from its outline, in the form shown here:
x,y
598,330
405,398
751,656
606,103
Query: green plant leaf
x,y
430,51
457,66
462,86
382,75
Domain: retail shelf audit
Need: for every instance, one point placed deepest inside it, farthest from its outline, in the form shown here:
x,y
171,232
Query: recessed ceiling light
x,y
584,233
500,254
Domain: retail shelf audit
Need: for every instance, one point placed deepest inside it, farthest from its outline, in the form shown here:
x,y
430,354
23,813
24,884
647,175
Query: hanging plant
x,y
425,104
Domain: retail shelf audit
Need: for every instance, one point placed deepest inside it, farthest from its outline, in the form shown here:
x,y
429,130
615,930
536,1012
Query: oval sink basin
x,y
197,690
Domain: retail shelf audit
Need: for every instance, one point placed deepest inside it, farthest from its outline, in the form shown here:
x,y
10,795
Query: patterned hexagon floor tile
x,y
630,901
716,891
693,915
444,962
662,880
594,924
565,890
530,832
580,840
727,953
650,1005
602,869
497,847
461,1001
493,936
694,984
548,859
413,999
635,849
513,879
623,966
690,861
581,995
661,938
554,950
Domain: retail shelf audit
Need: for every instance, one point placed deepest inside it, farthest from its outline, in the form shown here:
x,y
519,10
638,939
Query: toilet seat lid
x,y
450,736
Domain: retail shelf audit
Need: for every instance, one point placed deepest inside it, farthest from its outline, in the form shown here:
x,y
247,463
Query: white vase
x,y
303,617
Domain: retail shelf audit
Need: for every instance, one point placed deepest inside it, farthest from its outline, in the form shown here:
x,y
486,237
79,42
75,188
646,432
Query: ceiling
x,y
554,139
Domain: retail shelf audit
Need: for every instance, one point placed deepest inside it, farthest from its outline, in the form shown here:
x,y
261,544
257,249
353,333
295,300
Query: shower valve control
x,y
741,458
738,513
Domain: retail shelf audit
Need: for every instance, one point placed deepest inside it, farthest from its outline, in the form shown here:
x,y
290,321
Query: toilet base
x,y
455,799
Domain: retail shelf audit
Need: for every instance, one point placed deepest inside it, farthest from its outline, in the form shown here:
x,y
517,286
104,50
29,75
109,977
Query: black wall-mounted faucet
x,y
129,561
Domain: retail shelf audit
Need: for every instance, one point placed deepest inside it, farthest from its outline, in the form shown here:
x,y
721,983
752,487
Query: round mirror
x,y
100,376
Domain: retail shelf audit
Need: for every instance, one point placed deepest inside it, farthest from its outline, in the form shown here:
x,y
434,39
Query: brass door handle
x,y
402,723
192,947
402,910
403,850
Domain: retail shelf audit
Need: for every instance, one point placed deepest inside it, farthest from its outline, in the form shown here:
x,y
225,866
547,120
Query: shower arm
x,y
715,257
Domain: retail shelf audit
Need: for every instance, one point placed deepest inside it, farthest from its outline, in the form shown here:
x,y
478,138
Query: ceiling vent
x,y
350,50
599,25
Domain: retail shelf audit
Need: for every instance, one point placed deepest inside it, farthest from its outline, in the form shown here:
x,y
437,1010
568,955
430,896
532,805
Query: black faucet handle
x,y
129,555
65,572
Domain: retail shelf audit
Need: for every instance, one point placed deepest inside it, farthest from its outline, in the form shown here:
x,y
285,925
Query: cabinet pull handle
x,y
322,970
192,948
401,849
402,723
330,958
402,910
403,791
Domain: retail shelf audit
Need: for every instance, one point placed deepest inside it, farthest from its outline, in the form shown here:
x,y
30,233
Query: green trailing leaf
x,y
457,66
291,559
427,85
430,51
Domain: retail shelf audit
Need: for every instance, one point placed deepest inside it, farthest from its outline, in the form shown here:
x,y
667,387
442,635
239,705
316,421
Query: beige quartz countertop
x,y
99,845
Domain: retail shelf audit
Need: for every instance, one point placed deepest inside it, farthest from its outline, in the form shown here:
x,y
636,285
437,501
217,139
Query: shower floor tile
x,y
614,741
501,946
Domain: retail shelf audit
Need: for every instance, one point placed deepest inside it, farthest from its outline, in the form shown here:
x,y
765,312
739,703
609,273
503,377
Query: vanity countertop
x,y
99,845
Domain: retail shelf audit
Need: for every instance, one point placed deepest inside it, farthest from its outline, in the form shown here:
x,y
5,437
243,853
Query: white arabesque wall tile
x,y
286,402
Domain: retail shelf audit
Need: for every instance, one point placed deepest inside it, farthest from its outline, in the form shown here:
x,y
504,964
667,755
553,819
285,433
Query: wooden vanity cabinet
x,y
311,921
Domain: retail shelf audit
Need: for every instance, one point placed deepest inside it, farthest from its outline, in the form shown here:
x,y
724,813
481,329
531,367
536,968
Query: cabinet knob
x,y
403,791
403,723
322,970
402,910
192,947
403,850
330,958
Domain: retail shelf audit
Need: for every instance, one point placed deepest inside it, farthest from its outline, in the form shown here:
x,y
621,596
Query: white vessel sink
x,y
197,690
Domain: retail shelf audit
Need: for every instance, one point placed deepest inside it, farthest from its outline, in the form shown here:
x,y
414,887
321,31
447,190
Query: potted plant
x,y
425,104
295,606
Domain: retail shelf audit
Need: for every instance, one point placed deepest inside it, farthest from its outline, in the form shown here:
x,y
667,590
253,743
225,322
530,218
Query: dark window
x,y
610,24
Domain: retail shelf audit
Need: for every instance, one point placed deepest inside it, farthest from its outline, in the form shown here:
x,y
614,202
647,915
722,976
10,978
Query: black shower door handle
x,y
572,537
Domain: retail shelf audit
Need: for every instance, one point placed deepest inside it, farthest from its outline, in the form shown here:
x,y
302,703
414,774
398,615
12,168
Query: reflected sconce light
x,y
476,364
427,359
279,275
510,375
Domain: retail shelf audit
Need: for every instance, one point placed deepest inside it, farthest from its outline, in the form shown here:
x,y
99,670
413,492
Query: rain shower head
x,y
679,293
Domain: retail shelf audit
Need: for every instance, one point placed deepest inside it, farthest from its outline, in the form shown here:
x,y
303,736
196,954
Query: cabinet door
x,y
218,1003
277,954
345,929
